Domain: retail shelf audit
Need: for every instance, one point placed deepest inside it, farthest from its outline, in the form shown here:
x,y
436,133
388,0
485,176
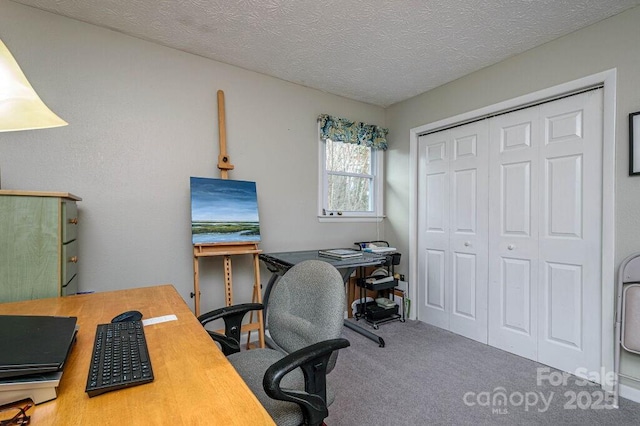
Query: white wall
x,y
612,43
143,119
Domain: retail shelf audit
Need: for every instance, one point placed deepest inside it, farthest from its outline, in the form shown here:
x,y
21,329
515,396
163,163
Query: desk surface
x,y
289,258
194,383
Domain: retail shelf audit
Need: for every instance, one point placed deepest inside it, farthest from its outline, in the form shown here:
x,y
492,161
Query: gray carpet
x,y
426,375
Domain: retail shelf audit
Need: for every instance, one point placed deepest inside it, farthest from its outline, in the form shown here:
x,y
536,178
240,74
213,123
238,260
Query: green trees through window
x,y
350,177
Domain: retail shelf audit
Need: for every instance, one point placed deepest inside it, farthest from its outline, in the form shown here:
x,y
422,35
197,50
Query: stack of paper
x,y
340,253
380,249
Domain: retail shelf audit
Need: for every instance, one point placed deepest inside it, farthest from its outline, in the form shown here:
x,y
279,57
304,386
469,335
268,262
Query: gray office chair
x,y
305,316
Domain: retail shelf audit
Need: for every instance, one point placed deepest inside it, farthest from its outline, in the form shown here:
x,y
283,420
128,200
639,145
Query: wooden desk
x,y
194,383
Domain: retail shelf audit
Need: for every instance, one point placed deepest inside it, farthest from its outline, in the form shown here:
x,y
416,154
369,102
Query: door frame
x,y
608,80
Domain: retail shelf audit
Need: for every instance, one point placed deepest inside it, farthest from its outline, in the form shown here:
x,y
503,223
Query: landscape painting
x,y
224,211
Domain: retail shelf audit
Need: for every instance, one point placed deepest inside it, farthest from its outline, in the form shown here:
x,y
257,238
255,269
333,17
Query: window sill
x,y
351,218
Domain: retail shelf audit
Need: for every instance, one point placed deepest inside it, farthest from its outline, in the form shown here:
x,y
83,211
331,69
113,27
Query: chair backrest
x,y
629,303
306,306
630,269
631,318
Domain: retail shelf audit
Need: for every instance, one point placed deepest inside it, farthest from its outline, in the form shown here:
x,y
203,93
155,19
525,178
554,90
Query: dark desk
x,y
279,263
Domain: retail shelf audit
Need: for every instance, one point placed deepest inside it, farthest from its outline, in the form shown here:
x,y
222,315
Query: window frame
x,y
377,171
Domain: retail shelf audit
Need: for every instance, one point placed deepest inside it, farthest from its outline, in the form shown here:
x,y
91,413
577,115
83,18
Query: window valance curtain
x,y
342,130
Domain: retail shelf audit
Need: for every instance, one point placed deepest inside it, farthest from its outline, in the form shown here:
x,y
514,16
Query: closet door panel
x,y
435,271
452,226
468,168
513,229
564,286
464,285
570,233
515,207
433,230
515,295
564,191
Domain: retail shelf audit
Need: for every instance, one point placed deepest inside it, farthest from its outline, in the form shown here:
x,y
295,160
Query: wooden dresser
x,y
38,246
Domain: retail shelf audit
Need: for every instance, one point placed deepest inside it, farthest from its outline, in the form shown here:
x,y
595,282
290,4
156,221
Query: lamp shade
x,y
20,106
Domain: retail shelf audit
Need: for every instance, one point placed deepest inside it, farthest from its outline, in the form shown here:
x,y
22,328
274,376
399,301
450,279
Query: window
x,y
350,173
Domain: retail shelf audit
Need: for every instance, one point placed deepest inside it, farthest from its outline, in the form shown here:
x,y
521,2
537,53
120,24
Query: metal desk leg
x,y
366,333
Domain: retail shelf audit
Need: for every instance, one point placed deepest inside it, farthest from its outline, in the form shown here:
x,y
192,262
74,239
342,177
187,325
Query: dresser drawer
x,y
69,262
69,221
38,248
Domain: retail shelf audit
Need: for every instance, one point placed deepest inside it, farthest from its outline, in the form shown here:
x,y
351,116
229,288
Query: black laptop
x,y
34,344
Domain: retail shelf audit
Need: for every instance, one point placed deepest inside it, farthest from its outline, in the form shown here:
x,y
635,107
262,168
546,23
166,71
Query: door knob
x,y
467,243
511,246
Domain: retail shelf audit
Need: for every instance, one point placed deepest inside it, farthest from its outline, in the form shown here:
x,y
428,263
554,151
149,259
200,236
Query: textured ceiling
x,y
375,51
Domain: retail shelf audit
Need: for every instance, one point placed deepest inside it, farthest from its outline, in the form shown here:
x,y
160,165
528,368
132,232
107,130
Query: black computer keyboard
x,y
120,358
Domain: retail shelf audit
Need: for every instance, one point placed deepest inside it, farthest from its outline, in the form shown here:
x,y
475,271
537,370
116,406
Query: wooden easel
x,y
229,249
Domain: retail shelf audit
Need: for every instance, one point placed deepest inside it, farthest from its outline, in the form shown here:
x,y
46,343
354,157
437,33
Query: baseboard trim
x,y
629,392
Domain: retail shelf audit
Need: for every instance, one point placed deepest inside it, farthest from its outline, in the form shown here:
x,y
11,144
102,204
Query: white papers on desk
x,y
340,253
157,320
380,249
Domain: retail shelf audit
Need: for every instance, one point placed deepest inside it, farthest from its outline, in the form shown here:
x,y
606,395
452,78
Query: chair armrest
x,y
313,361
232,317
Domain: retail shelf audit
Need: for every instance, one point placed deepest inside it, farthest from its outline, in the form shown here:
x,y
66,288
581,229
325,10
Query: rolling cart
x,y
383,282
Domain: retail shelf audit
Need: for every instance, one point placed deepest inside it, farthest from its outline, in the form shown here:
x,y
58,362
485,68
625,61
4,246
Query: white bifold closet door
x,y
454,229
541,239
